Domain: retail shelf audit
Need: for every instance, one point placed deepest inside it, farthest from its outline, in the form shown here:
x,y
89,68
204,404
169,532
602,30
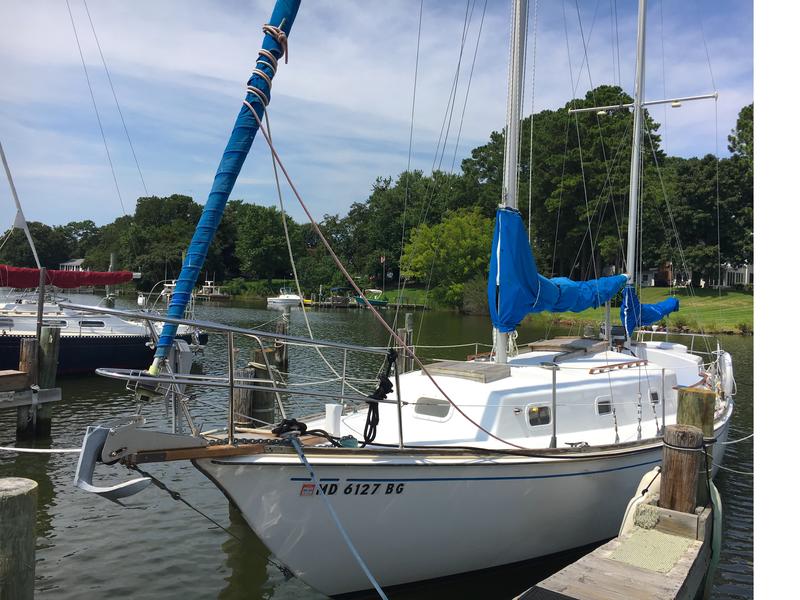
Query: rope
x,y
291,255
40,450
400,342
335,517
177,497
734,470
747,437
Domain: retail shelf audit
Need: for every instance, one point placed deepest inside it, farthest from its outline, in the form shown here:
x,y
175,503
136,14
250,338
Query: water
x,y
157,547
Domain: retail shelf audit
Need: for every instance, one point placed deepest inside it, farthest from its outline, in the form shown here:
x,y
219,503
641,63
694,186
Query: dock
x,y
390,306
31,388
665,562
670,535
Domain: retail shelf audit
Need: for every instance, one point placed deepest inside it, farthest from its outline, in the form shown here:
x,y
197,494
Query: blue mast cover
x,y
516,288
244,130
634,314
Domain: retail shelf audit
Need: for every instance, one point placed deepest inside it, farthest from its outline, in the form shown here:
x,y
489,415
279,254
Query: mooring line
x,y
336,520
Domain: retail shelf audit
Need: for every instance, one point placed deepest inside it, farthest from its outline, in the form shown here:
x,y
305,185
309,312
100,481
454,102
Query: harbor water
x,y
156,547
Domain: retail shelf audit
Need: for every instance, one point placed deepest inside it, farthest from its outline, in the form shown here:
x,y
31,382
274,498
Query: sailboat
x,y
457,466
88,340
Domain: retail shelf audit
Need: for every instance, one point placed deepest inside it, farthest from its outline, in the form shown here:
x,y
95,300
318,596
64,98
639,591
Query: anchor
x,y
122,438
93,443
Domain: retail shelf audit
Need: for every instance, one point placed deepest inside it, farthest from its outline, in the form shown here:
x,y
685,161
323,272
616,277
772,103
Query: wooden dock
x,y
664,548
666,562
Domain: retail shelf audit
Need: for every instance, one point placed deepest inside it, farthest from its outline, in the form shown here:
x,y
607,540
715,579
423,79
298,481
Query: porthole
x,y
432,407
603,405
538,415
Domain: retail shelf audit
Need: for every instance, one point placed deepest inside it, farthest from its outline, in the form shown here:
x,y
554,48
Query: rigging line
x,y
663,71
607,184
400,286
586,199
428,197
400,342
458,138
533,105
469,85
616,32
444,131
116,101
292,262
679,245
719,242
96,111
591,86
705,44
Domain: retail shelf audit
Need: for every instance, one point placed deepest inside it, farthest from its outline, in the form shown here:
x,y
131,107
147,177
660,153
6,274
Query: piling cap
x,y
16,486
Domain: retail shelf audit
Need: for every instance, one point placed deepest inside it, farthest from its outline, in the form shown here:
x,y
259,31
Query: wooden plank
x,y
216,451
12,380
482,372
677,523
24,398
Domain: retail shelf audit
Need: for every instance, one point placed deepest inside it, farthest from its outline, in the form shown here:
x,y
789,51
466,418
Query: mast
x,y
513,111
638,94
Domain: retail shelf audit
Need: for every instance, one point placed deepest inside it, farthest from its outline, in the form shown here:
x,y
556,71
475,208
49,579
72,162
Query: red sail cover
x,y
20,277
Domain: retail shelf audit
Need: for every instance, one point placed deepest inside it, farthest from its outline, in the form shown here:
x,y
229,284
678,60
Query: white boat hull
x,y
283,301
423,517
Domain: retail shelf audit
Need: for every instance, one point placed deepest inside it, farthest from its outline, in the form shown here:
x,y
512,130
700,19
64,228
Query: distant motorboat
x,y
211,291
375,298
286,298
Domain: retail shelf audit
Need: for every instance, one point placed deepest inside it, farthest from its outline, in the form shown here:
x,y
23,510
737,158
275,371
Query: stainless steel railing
x,y
172,380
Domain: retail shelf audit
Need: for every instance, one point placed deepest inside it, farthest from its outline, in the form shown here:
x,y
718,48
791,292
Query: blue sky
x,y
341,107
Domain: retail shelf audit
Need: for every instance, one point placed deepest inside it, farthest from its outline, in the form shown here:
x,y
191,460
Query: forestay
x,y
516,288
259,85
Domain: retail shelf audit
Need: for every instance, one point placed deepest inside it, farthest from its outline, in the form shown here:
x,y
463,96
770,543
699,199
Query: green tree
x,y
53,246
261,242
449,253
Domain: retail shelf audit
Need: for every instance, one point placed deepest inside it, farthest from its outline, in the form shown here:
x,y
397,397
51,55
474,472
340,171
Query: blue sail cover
x,y
244,130
516,288
634,314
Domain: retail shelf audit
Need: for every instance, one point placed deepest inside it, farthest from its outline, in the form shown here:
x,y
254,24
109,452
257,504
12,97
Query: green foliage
x,y
261,241
53,245
449,253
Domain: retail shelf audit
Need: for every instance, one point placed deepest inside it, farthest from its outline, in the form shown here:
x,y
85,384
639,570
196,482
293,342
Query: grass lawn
x,y
732,311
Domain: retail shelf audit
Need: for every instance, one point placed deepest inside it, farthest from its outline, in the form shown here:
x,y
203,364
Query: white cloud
x,y
341,106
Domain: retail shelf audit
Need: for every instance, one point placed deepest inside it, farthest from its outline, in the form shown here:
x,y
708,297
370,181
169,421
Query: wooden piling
x,y
49,341
696,407
243,399
17,537
28,363
681,467
405,362
29,359
281,349
263,403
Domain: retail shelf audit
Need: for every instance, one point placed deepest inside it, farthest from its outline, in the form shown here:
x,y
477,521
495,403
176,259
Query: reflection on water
x,y
158,548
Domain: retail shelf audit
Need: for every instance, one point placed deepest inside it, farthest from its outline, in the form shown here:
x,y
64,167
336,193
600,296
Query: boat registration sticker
x,y
352,489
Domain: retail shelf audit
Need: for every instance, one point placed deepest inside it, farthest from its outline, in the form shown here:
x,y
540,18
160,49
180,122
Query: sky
x,y
341,107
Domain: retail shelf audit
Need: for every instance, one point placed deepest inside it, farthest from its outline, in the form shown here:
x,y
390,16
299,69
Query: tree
x,y
261,242
740,141
449,253
53,246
